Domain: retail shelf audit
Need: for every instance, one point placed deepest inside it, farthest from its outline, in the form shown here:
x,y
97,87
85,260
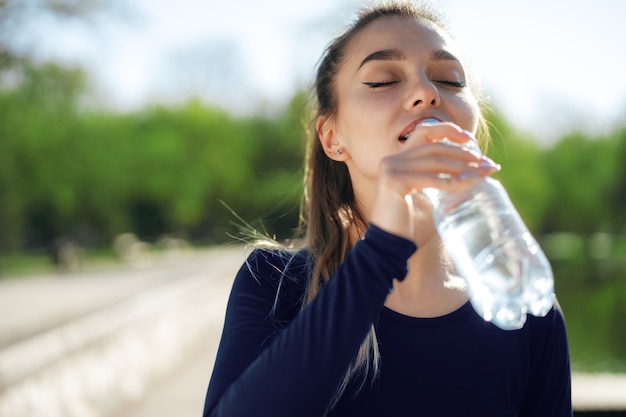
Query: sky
x,y
549,67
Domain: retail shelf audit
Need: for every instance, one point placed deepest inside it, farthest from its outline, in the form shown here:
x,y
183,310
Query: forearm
x,y
298,374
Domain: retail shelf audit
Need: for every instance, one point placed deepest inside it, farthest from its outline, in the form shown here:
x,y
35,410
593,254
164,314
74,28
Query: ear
x,y
325,128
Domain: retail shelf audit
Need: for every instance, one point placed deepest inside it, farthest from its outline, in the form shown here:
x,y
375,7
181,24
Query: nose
x,y
423,94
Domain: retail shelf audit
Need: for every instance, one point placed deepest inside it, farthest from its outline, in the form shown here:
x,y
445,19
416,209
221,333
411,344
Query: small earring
x,y
339,151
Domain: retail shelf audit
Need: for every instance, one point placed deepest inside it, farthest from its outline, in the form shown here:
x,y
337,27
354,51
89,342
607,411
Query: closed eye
x,y
380,84
456,84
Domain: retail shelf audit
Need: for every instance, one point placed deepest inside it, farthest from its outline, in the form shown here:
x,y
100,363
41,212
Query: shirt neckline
x,y
457,314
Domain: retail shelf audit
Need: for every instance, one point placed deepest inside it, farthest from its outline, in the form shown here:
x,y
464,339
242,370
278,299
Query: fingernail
x,y
467,175
487,162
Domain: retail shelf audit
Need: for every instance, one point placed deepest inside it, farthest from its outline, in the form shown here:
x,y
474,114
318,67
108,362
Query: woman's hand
x,y
424,163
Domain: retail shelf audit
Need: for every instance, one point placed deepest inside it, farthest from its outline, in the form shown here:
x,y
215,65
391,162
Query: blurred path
x,y
95,342
31,305
182,394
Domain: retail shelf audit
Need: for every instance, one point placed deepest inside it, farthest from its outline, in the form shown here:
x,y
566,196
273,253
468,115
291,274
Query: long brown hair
x,y
330,213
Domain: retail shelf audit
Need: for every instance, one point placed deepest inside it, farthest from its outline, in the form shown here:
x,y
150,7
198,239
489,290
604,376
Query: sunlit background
x,y
134,130
549,67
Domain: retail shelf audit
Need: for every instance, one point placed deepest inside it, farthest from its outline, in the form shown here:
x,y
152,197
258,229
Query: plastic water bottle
x,y
507,273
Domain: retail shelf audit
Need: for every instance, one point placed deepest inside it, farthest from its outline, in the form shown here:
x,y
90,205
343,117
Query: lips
x,y
411,127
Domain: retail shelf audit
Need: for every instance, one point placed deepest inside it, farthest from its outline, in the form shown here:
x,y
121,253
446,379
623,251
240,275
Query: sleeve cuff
x,y
388,244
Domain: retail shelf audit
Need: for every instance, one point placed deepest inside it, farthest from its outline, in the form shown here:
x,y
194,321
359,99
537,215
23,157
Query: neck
x,y
431,287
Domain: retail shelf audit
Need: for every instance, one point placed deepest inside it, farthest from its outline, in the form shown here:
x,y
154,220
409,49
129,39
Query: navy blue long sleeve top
x,y
276,359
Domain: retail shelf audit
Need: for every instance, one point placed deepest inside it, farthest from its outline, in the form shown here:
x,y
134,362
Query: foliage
x,y
91,175
41,105
523,171
162,170
587,176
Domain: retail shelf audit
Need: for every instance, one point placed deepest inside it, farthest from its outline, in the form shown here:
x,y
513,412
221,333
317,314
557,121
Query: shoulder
x,y
281,276
275,266
550,325
547,339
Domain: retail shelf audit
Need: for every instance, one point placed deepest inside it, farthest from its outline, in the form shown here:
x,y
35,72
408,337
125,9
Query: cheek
x,y
360,120
468,112
363,139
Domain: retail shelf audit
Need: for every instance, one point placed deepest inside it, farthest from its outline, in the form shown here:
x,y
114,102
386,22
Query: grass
x,y
21,265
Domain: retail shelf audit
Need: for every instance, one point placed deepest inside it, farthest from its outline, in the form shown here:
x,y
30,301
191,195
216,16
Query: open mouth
x,y
411,127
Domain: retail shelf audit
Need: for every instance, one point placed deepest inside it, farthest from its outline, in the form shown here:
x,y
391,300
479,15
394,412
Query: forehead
x,y
411,36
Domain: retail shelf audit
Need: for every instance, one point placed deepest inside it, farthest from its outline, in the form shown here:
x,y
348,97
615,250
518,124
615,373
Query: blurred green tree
x,y
523,170
584,173
36,139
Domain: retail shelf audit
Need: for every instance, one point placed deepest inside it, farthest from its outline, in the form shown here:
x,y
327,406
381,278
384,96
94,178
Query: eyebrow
x,y
384,55
398,55
443,55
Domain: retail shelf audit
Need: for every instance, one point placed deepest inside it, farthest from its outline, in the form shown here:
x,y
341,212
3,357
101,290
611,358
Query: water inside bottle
x,y
492,267
506,272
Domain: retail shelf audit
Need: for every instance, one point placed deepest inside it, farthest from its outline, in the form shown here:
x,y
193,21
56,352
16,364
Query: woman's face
x,y
396,71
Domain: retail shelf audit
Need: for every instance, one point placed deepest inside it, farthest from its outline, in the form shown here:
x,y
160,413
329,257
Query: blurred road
x,y
143,335
32,305
182,393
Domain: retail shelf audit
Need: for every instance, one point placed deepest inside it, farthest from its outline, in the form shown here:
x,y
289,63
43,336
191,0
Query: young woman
x,y
368,319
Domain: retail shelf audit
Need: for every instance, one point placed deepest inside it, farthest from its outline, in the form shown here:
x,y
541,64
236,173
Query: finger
x,y
441,152
444,182
434,171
